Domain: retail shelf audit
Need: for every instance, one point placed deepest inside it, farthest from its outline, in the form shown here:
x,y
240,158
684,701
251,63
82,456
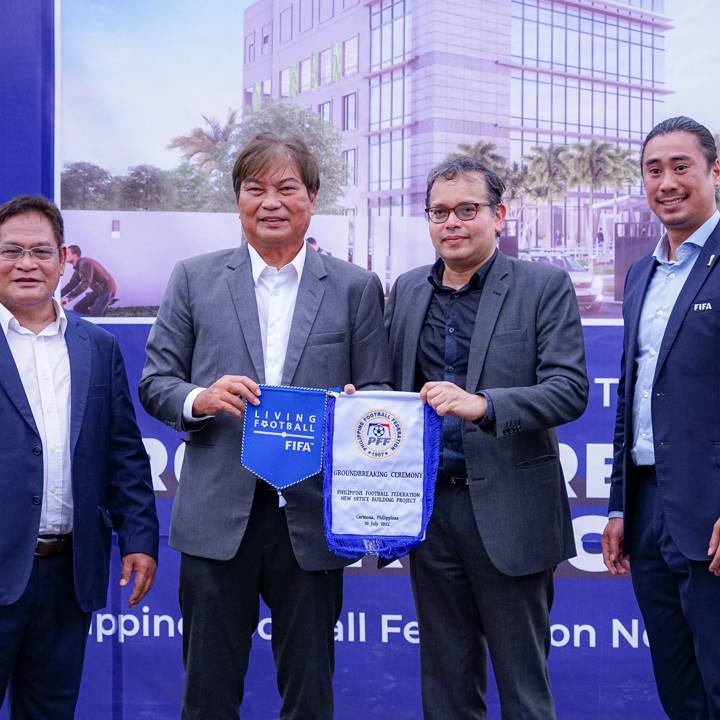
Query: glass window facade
x,y
250,48
349,158
389,165
286,24
325,111
350,56
389,33
326,66
349,112
390,99
584,73
267,39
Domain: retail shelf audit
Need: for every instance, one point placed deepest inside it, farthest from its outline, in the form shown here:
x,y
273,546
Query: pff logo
x,y
378,434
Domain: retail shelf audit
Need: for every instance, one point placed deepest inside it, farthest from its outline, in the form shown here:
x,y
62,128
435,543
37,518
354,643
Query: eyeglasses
x,y
463,211
41,253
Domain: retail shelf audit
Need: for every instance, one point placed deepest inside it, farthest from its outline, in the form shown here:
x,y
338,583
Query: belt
x,y
52,544
448,479
645,473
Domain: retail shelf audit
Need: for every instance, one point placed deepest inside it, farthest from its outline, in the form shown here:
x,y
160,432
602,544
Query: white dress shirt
x,y
43,364
275,293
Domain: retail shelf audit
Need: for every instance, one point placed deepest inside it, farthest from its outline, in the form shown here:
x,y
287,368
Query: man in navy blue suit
x,y
665,494
72,468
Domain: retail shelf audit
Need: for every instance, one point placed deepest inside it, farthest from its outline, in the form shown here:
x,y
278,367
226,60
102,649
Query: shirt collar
x,y
435,278
58,325
698,238
259,265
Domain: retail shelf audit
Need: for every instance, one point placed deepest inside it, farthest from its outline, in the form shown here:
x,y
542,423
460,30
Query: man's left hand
x,y
714,549
144,567
449,399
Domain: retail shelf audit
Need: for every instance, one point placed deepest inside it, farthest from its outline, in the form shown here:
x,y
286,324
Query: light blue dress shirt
x,y
662,293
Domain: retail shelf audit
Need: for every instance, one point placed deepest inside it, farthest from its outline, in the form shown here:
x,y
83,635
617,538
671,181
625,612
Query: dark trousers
x,y
42,643
466,607
680,604
220,607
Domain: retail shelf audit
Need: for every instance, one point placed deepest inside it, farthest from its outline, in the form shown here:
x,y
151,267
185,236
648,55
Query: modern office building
x,y
407,81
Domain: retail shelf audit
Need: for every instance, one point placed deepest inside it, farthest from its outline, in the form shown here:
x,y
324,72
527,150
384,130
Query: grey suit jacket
x,y
527,352
207,327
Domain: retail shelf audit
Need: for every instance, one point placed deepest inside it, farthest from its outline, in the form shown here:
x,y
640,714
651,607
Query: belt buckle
x,y
53,545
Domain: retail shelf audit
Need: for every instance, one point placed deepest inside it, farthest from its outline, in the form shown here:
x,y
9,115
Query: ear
x,y
500,212
313,199
62,257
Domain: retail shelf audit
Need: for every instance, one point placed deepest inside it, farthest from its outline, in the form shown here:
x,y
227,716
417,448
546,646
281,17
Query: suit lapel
x,y
417,305
307,304
491,301
632,303
80,357
11,383
242,290
697,277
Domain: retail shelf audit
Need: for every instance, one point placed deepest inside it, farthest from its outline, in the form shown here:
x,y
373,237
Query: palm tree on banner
x,y
625,171
547,176
591,166
204,145
516,188
484,152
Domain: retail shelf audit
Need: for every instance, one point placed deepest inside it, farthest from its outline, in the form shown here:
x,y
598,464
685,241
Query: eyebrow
x,y
673,158
264,182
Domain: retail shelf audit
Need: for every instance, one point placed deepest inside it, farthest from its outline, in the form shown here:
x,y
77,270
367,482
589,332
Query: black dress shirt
x,y
444,349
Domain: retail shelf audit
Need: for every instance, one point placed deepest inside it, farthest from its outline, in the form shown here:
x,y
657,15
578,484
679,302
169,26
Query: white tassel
x,y
282,502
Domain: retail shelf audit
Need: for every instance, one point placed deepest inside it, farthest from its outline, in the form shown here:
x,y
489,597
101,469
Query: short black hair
x,y
23,204
681,123
75,249
460,165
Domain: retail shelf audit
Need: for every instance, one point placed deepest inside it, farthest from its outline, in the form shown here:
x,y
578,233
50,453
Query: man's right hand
x,y
614,557
229,395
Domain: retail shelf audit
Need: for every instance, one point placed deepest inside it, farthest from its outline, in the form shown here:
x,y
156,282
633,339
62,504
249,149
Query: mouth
x,y
672,202
453,238
272,220
27,281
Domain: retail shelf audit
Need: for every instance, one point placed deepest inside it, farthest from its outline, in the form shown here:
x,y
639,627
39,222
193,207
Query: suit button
x,y
37,450
36,500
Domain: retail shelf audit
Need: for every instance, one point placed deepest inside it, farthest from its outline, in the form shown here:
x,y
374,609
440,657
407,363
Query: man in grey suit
x,y
495,345
270,312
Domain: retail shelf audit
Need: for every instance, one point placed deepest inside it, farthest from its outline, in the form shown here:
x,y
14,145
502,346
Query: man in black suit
x,y
495,345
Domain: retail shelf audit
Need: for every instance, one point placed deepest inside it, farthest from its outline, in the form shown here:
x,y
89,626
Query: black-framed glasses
x,y
463,211
41,253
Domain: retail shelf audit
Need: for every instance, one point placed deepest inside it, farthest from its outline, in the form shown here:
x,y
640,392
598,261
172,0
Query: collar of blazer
x,y
307,305
491,300
696,279
79,354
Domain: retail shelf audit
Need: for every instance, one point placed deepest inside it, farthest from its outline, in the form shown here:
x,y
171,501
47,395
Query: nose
x,y
271,200
452,221
667,182
26,261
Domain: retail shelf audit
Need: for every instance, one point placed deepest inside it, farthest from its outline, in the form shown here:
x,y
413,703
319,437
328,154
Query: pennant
x,y
380,464
283,435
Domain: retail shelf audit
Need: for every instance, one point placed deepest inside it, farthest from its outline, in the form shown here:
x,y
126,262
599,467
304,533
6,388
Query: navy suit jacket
x,y
111,481
685,403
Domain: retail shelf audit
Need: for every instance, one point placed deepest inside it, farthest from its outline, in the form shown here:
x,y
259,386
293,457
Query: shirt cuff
x,y
188,405
616,514
487,422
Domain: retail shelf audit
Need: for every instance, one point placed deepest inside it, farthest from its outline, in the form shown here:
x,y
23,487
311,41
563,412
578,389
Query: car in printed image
x,y
588,296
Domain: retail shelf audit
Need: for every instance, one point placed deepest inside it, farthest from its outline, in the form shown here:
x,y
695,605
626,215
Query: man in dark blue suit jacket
x,y
72,469
665,492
